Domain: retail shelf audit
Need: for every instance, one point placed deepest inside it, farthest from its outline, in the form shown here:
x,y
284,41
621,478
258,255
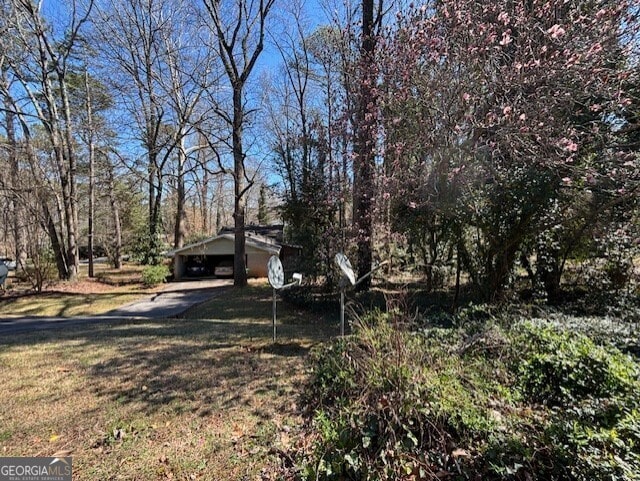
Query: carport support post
x,y
274,315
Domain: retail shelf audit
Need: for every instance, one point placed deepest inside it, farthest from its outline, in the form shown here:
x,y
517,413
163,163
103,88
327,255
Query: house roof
x,y
273,231
251,240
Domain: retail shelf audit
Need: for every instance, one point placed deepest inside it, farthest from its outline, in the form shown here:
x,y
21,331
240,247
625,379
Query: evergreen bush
x,y
155,275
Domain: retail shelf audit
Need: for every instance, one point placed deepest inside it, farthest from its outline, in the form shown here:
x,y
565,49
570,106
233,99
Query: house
x,y
214,256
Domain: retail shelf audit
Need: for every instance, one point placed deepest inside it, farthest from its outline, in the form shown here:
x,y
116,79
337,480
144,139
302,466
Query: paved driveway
x,y
174,299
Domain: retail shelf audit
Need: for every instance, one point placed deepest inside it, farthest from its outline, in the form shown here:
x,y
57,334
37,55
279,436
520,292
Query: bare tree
x,y
191,70
12,186
41,68
92,157
239,29
292,44
156,85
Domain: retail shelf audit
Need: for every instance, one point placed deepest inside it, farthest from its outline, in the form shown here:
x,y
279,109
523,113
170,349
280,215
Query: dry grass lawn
x,y
84,297
194,399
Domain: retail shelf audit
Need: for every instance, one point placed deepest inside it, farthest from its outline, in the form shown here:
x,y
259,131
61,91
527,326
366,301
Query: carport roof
x,y
256,241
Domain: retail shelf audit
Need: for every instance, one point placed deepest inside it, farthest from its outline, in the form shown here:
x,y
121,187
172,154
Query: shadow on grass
x,y
223,359
68,304
60,304
208,372
175,366
289,349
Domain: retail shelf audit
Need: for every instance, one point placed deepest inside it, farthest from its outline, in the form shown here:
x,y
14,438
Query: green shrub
x,y
155,275
528,402
391,401
593,430
598,440
559,367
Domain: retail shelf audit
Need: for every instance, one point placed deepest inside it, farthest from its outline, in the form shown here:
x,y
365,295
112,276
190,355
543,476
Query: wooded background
x,y
469,141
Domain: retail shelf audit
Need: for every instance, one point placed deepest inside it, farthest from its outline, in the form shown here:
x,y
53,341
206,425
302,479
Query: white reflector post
x,y
275,273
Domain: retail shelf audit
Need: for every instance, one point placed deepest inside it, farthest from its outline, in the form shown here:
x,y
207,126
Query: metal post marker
x,y
342,311
275,307
275,273
349,277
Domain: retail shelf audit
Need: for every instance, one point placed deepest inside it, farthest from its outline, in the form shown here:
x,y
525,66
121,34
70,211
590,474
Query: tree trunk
x,y
239,54
181,214
155,222
154,199
92,154
365,149
91,209
498,268
204,189
115,209
17,210
60,154
73,257
548,269
239,265
46,221
219,205
56,243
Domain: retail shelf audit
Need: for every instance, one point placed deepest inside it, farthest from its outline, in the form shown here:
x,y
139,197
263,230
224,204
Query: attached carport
x,y
214,255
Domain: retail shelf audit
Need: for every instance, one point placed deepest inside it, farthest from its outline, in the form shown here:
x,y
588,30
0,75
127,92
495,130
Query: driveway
x,y
174,299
